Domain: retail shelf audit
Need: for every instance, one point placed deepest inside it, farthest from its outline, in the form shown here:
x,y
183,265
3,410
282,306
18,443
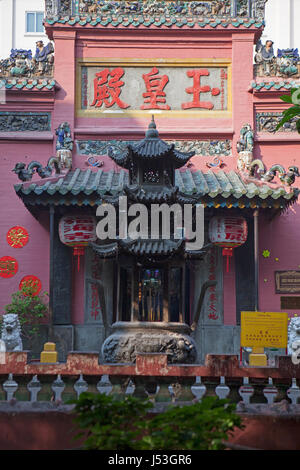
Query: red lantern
x,y
77,231
228,232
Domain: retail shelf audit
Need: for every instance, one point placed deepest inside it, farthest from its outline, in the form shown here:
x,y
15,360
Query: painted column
x,y
229,295
256,255
65,73
242,74
64,111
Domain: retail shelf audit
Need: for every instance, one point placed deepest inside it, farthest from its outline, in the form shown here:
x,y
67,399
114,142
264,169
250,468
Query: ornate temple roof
x,y
213,189
154,249
148,13
149,149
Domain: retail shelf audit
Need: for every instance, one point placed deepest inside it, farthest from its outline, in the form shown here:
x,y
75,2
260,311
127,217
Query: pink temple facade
x,y
111,73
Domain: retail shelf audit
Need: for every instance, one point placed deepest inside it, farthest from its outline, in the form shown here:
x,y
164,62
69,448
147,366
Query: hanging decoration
x,y
229,233
8,266
266,254
77,231
31,282
17,237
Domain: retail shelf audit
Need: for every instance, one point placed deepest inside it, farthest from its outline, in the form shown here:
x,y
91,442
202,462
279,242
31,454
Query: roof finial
x,y
152,132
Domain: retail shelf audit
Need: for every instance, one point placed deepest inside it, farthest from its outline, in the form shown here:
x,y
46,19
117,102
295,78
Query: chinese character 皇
x,y
107,90
154,95
197,89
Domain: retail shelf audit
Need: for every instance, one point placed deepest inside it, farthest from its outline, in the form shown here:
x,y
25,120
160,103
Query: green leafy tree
x,y
294,111
201,426
108,423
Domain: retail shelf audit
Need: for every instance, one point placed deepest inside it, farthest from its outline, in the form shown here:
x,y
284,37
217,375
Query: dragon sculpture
x,y
286,177
25,174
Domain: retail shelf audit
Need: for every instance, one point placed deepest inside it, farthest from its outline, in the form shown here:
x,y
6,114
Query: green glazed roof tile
x,y
87,187
177,21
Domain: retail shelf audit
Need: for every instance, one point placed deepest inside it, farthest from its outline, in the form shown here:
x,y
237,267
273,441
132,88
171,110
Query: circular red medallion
x,y
8,266
33,283
17,237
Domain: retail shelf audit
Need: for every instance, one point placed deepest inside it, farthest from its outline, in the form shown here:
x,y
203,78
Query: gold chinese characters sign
x,y
264,329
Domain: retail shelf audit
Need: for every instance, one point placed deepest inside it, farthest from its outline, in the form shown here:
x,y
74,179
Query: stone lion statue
x,y
293,333
11,332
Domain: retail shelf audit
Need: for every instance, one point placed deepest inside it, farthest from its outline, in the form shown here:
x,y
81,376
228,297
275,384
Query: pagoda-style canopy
x,y
152,164
151,161
151,150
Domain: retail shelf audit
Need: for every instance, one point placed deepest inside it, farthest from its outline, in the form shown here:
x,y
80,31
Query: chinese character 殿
x,y
107,91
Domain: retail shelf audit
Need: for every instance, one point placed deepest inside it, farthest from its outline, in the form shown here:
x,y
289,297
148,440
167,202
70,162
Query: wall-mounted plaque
x,y
290,303
137,87
287,282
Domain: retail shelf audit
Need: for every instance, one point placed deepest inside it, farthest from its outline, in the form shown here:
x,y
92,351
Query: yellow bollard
x,y
49,354
258,358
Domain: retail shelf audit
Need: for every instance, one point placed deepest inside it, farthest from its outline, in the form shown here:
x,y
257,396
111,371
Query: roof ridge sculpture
x,y
217,10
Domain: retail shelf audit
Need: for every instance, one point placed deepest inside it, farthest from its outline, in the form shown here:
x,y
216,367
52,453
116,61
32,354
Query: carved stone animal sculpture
x,y
11,332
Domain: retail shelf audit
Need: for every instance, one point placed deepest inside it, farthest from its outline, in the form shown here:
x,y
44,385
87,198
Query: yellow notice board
x,y
264,329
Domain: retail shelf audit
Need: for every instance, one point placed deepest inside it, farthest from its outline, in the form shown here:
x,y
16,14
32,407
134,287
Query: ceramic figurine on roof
x,y
44,58
22,64
286,64
265,57
148,8
19,64
245,148
64,145
50,8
